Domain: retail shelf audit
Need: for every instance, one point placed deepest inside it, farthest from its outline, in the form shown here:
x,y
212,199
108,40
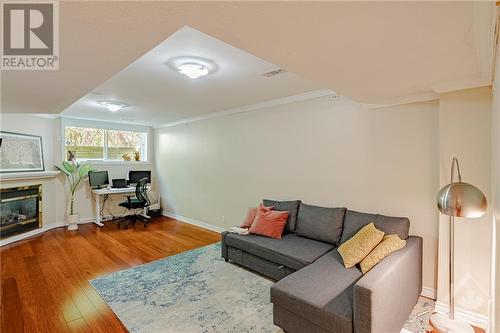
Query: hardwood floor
x,y
44,280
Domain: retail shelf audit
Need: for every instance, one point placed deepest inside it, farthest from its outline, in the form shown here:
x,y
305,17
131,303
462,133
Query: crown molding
x,y
446,87
401,100
253,107
46,115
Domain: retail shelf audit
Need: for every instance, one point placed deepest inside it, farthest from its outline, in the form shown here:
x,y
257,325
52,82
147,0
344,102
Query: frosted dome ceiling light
x,y
113,106
193,71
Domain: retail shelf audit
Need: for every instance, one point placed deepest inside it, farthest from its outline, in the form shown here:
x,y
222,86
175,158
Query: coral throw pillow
x,y
269,223
251,214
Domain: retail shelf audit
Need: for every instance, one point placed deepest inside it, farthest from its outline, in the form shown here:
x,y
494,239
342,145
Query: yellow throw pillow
x,y
389,244
360,245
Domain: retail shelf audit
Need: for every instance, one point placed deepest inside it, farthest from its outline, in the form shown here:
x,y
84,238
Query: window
x,y
107,144
85,143
122,143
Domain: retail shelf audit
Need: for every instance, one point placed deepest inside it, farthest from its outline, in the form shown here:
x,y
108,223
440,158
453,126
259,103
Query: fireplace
x,y
20,209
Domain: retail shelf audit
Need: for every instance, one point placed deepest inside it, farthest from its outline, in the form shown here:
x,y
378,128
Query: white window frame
x,y
107,126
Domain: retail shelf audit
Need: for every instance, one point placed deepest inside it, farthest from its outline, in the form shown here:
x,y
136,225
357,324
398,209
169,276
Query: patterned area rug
x,y
419,324
196,291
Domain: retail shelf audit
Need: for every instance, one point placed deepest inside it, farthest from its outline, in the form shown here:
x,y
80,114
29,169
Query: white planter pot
x,y
73,220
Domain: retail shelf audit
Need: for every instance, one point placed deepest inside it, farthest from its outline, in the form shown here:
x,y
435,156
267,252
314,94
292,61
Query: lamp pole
x,y
452,268
461,200
451,261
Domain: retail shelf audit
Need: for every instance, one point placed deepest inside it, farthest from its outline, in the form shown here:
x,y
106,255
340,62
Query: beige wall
x,y
55,190
495,183
325,152
51,188
464,128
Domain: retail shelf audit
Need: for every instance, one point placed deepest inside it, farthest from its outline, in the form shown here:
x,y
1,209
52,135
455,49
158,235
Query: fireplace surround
x,y
20,209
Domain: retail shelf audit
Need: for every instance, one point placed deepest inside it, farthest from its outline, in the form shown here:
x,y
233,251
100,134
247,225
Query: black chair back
x,y
141,191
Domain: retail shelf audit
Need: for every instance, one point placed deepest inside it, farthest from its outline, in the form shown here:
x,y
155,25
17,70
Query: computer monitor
x,y
135,176
98,179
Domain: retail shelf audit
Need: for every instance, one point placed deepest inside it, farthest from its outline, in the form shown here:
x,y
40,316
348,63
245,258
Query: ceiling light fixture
x,y
193,71
113,106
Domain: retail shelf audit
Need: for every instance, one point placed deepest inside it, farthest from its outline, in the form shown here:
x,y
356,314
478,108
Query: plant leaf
x,y
84,170
70,167
63,170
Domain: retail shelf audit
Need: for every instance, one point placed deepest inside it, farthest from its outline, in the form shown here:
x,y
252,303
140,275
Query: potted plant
x,y
76,173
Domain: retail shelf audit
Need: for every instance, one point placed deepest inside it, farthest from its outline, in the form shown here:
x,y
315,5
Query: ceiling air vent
x,y
274,72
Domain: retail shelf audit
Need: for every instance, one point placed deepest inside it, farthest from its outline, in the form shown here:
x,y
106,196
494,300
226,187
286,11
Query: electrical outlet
x,y
223,218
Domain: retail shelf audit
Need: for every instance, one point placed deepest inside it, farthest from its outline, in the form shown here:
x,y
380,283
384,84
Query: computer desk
x,y
110,190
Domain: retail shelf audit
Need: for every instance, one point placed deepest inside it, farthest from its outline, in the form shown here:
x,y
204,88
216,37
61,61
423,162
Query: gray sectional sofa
x,y
314,292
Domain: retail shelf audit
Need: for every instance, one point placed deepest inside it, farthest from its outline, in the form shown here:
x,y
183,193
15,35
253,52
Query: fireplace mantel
x,y
15,176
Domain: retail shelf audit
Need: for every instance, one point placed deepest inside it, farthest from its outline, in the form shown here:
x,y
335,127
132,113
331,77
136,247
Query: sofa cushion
x,y
292,251
249,218
321,293
292,207
360,245
354,221
269,223
320,223
389,244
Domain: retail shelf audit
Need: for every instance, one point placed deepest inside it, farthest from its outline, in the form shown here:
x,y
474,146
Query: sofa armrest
x,y
224,244
385,296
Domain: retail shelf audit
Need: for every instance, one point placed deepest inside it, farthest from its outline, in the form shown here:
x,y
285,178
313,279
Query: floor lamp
x,y
457,199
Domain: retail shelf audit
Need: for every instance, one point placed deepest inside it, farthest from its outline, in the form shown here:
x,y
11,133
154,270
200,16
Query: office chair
x,y
141,200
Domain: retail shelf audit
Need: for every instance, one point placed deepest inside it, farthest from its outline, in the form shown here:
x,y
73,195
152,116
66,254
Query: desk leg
x,y
98,210
145,212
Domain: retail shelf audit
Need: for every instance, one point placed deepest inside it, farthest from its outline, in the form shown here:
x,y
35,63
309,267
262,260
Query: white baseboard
x,y
192,221
429,293
465,315
41,230
468,316
31,233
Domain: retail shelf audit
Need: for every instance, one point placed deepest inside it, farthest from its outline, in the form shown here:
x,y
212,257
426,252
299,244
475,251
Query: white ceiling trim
x,y
445,87
77,122
414,98
253,107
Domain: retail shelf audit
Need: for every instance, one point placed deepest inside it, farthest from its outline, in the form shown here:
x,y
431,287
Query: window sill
x,y
100,162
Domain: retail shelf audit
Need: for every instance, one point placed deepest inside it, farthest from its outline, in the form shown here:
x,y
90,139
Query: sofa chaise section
x,y
317,298
327,297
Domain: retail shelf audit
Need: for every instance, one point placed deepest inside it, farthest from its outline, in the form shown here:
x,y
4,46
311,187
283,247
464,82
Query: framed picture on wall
x,y
20,152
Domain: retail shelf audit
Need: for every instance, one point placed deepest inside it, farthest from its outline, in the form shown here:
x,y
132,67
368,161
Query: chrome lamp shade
x,y
461,200
457,199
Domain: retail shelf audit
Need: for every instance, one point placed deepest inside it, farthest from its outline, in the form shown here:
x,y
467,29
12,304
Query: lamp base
x,y
443,324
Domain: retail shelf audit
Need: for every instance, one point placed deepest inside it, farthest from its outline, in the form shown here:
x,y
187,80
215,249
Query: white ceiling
x,y
158,94
373,52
